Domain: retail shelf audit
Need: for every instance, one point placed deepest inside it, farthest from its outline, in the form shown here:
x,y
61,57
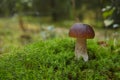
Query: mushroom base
x,y
80,49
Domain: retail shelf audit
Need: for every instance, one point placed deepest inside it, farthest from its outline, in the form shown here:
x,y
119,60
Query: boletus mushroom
x,y
82,32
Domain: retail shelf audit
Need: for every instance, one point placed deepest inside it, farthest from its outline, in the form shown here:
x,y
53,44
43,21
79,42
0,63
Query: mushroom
x,y
82,32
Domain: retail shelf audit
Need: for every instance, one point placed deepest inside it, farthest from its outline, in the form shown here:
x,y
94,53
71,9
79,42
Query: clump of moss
x,y
54,60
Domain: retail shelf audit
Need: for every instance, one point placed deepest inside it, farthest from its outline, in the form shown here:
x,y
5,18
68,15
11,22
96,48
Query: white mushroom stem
x,y
81,50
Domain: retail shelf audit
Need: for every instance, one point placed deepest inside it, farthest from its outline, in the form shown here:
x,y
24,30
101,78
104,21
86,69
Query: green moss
x,y
54,60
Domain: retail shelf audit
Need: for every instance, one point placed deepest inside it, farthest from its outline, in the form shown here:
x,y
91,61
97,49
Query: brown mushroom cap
x,y
79,30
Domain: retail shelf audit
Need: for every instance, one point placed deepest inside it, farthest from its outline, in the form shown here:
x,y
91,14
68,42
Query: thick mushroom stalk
x,y
81,50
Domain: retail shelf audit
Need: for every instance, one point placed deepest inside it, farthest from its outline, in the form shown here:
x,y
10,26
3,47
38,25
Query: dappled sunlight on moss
x,y
54,59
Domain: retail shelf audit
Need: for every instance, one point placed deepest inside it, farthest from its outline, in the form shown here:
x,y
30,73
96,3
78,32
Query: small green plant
x,y
54,60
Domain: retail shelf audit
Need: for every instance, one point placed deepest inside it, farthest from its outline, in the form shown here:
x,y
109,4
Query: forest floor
x,y
48,53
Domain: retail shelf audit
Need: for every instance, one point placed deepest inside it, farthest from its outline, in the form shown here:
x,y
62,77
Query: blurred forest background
x,y
27,21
